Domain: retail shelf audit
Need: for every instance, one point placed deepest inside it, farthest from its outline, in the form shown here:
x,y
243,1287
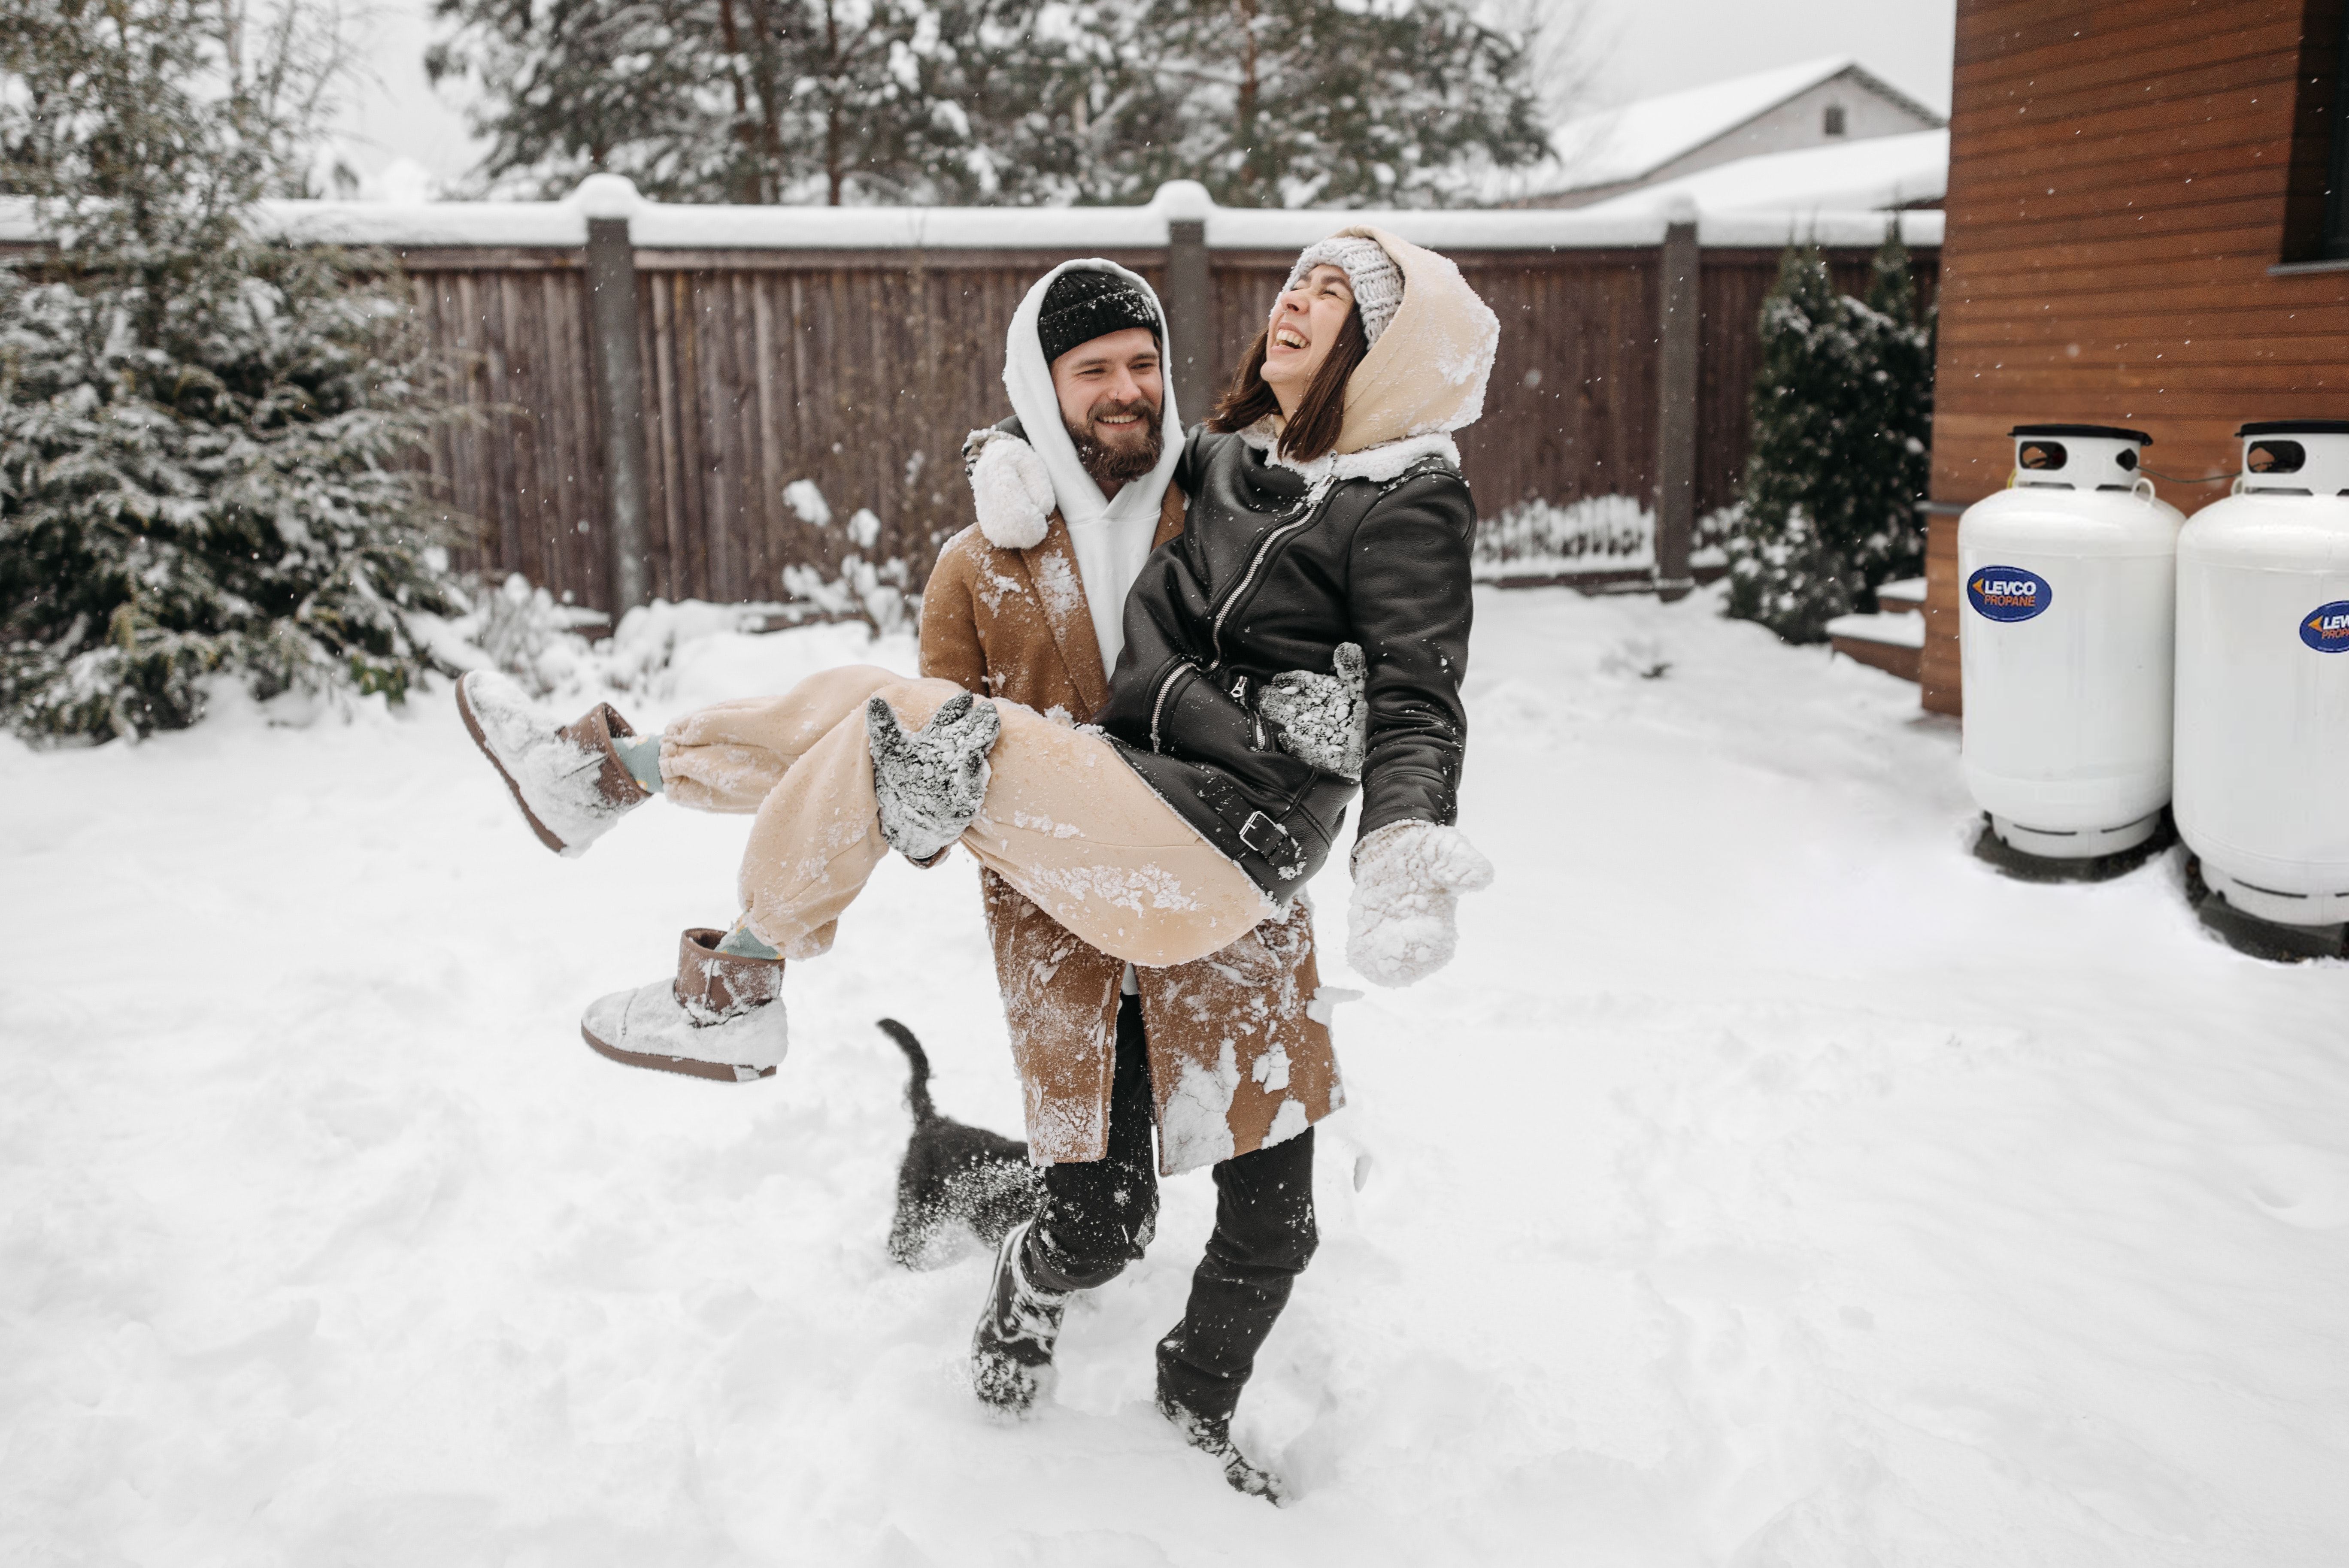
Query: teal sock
x,y
641,755
742,944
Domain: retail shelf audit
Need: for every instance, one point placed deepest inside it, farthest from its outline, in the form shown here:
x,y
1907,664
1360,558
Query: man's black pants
x,y
1098,1216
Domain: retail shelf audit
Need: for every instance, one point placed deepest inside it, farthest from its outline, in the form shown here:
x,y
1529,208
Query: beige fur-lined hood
x,y
1426,374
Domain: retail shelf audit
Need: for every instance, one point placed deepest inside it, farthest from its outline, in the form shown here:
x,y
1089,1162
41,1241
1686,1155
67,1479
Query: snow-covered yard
x,y
1769,1182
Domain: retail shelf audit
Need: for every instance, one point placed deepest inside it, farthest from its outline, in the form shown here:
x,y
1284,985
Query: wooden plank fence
x,y
855,347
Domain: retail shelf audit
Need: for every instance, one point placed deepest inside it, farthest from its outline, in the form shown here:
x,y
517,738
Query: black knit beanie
x,y
1083,303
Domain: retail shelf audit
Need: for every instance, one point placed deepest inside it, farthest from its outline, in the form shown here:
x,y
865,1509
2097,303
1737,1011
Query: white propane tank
x,y
2263,679
2065,620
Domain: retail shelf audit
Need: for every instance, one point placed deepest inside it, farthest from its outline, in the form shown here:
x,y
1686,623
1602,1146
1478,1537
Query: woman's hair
x,y
1320,413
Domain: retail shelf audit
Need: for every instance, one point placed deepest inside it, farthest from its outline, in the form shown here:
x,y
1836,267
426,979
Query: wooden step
x,y
1894,643
1906,596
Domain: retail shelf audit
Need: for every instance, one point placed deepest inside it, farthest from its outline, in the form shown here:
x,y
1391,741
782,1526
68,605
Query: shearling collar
x,y
1387,461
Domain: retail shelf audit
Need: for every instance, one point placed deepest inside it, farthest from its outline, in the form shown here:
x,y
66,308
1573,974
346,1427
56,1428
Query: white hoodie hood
x,y
1111,537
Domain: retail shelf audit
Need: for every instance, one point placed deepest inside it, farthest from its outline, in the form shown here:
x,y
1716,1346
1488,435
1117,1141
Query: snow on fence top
x,y
658,225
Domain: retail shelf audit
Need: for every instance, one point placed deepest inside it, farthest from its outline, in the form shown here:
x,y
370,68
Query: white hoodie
x,y
1111,537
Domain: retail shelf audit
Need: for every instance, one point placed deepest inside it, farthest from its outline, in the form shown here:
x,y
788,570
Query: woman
x,y
1305,635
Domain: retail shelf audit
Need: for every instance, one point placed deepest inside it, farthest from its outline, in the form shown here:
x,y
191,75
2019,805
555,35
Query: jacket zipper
x,y
1158,703
1263,552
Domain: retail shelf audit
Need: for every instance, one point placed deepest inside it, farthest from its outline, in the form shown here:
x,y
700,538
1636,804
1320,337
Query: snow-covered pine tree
x,y
1270,102
1842,417
571,87
723,100
206,439
1054,113
1288,103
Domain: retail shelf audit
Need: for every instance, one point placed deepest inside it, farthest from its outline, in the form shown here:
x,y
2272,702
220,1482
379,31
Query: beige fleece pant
x,y
1065,821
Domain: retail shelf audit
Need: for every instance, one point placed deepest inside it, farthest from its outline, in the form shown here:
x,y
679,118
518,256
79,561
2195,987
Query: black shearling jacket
x,y
1269,574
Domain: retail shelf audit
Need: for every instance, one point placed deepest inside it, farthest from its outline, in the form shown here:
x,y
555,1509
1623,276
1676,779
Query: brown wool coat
x,y
1236,1061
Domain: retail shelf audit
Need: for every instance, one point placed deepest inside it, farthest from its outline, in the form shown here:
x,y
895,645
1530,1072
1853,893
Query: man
x,y
1073,491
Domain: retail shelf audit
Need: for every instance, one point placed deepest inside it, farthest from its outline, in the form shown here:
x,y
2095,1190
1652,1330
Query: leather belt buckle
x,y
1259,832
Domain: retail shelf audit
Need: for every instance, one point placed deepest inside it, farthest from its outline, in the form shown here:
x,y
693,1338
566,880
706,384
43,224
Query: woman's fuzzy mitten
x,y
1011,492
1399,926
1321,719
927,785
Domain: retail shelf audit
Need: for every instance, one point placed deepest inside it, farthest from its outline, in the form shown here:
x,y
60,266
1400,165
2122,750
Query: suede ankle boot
x,y
568,779
721,1018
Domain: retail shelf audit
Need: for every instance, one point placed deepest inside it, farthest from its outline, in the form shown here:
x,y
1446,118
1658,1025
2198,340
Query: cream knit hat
x,y
1377,281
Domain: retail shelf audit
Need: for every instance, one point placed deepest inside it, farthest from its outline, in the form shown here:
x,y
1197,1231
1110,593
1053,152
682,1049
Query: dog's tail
x,y
917,1082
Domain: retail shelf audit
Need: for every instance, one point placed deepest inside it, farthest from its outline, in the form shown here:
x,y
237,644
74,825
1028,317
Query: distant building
x,y
1879,174
1823,104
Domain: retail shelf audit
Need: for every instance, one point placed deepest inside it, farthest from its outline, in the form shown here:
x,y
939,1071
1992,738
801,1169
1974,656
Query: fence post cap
x,y
606,196
1183,199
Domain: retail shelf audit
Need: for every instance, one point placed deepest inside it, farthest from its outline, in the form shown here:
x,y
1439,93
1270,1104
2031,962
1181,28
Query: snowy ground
x,y
1768,1182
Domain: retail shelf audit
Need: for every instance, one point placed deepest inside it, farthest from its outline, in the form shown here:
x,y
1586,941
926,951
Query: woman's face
x,y
1305,322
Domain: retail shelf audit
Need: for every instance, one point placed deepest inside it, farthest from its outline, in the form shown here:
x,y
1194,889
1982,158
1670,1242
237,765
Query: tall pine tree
x,y
206,439
705,100
1289,103
1843,415
1269,102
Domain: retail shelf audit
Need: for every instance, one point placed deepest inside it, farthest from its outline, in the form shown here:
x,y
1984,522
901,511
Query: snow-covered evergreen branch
x,y
1843,412
210,444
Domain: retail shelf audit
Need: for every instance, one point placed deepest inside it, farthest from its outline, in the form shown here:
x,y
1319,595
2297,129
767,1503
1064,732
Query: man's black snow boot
x,y
1212,1436
1011,1352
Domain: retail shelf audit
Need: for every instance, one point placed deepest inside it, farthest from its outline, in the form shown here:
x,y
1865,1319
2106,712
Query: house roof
x,y
1870,174
1641,137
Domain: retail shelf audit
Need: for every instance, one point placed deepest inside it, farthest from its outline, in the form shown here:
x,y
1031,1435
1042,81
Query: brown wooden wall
x,y
1940,680
525,471
863,372
2124,174
858,372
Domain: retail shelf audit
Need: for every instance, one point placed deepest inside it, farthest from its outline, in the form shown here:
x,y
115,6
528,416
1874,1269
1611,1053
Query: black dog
x,y
954,1177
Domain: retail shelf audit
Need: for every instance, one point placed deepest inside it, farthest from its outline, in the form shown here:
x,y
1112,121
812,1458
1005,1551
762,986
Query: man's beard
x,y
1125,460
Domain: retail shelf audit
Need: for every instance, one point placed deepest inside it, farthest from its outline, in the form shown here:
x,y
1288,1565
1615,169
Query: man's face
x,y
1111,390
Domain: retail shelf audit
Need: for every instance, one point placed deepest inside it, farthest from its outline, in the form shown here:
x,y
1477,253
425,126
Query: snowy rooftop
x,y
1640,138
665,226
1879,171
1627,142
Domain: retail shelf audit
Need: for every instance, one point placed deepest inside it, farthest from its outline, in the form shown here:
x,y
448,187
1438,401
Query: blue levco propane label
x,y
2326,628
2008,593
